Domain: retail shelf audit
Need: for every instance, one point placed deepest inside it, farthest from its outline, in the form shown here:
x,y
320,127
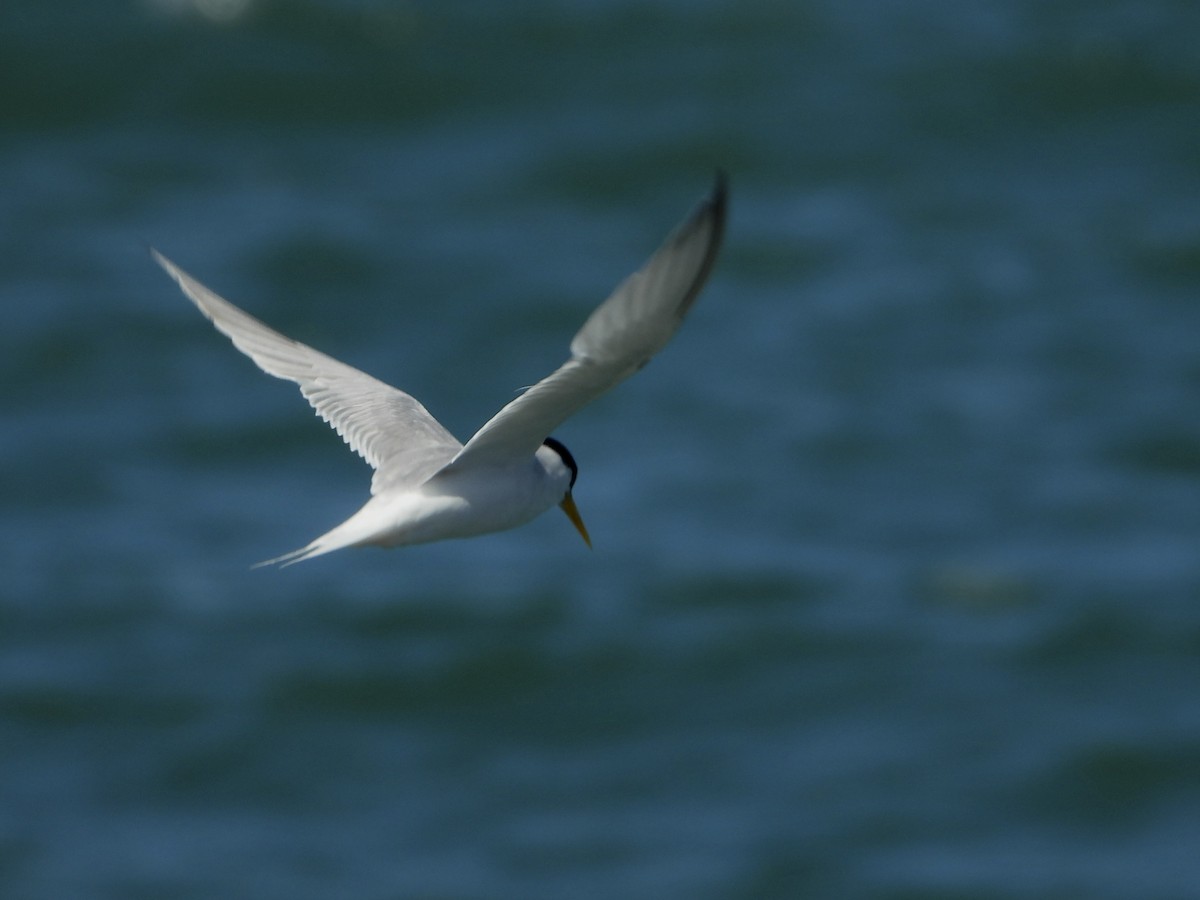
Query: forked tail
x,y
355,531
293,556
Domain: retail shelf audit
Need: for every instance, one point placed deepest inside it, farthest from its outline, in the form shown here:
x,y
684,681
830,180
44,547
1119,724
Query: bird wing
x,y
391,430
619,337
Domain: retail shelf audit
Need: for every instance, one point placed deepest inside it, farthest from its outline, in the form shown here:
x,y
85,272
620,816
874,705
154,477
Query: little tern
x,y
429,487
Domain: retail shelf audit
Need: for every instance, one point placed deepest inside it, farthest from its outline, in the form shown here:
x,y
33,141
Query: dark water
x,y
896,587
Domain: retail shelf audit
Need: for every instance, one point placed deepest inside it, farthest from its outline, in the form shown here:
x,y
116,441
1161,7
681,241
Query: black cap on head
x,y
565,455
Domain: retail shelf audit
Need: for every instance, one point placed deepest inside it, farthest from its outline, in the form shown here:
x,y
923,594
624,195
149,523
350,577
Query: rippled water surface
x,y
896,582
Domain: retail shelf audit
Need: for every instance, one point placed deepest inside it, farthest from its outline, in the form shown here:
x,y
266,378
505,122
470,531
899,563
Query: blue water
x,y
896,582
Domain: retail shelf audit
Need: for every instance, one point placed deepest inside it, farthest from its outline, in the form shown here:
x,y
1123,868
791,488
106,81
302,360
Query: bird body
x,y
429,487
449,505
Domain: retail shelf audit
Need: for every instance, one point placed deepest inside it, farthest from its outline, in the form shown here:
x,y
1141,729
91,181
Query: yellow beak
x,y
568,506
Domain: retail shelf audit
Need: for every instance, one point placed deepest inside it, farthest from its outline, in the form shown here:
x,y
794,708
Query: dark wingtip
x,y
717,205
720,186
712,212
719,198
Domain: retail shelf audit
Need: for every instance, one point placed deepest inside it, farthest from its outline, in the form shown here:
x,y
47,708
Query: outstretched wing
x,y
619,337
390,430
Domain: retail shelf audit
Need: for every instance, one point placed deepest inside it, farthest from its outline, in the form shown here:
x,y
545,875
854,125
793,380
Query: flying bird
x,y
429,487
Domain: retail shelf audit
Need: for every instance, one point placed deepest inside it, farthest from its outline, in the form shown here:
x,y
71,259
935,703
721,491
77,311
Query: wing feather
x,y
390,429
619,337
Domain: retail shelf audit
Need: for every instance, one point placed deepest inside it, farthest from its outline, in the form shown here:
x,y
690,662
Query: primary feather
x,y
390,429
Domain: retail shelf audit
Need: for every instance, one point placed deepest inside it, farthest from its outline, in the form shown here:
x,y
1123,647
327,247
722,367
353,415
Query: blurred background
x,y
896,582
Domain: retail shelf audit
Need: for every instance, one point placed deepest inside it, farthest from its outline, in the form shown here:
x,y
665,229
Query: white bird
x,y
429,487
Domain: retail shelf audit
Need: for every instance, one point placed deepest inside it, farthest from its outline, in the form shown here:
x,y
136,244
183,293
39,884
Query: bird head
x,y
567,504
